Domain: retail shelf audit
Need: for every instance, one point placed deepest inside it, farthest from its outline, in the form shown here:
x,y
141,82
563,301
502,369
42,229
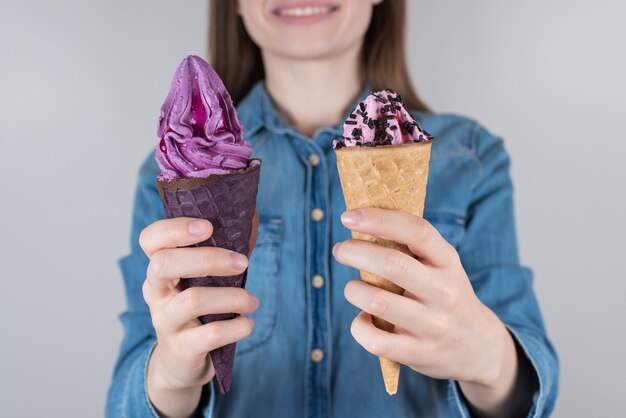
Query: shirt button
x,y
317,281
314,159
317,355
317,214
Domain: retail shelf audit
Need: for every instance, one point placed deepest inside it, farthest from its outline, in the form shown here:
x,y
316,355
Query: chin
x,y
305,48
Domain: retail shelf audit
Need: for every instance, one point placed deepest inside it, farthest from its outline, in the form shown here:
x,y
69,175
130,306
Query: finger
x,y
396,309
174,263
168,266
400,268
172,233
202,339
397,347
194,302
418,234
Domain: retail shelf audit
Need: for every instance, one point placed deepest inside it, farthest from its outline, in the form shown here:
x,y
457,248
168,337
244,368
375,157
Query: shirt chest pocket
x,y
451,227
262,282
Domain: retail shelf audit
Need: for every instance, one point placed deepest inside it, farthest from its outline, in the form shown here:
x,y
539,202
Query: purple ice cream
x,y
198,126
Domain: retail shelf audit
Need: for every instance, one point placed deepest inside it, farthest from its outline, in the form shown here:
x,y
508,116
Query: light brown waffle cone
x,y
386,177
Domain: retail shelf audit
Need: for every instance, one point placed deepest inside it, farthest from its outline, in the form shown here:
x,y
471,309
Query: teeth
x,y
304,11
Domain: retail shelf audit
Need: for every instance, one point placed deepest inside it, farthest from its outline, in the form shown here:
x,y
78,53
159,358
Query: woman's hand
x,y
441,328
180,365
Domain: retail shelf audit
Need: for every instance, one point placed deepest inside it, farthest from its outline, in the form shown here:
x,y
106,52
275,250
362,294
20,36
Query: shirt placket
x,y
317,252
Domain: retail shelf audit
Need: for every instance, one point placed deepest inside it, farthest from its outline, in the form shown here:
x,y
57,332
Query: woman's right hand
x,y
180,365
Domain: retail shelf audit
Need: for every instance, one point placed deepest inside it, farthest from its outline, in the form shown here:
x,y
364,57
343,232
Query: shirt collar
x,y
257,111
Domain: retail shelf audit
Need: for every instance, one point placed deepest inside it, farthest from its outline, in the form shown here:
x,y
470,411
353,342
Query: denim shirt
x,y
300,285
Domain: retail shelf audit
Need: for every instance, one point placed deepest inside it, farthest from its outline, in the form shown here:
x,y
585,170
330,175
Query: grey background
x,y
81,83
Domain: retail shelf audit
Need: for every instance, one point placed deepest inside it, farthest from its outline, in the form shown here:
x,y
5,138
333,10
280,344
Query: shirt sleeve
x,y
127,395
489,255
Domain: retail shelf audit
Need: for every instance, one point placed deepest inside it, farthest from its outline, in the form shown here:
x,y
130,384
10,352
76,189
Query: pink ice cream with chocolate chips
x,y
381,119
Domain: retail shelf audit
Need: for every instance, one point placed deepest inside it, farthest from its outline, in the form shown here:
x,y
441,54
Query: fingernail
x,y
238,261
351,218
198,227
335,247
255,302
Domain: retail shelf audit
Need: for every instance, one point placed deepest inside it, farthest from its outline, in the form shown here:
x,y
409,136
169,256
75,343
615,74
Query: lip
x,y
304,13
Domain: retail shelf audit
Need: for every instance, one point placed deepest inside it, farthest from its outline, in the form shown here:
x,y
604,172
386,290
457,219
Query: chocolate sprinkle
x,y
380,99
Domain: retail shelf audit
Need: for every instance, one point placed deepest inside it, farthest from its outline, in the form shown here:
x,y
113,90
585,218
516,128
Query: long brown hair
x,y
237,59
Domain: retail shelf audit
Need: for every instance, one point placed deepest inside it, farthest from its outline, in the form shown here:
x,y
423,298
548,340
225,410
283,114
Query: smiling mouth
x,y
304,11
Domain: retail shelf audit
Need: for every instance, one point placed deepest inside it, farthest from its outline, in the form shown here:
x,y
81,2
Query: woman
x,y
468,328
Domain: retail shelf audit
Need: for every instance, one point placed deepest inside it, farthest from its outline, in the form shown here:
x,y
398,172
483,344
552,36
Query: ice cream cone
x,y
228,201
387,177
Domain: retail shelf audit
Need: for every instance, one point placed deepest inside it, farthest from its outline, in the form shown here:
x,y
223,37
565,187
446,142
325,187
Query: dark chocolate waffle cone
x,y
228,201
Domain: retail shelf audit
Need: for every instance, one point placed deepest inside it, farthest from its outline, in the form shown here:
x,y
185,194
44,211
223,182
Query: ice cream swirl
x,y
198,126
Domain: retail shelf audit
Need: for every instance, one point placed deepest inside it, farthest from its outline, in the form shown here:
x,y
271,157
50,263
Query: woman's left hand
x,y
441,330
